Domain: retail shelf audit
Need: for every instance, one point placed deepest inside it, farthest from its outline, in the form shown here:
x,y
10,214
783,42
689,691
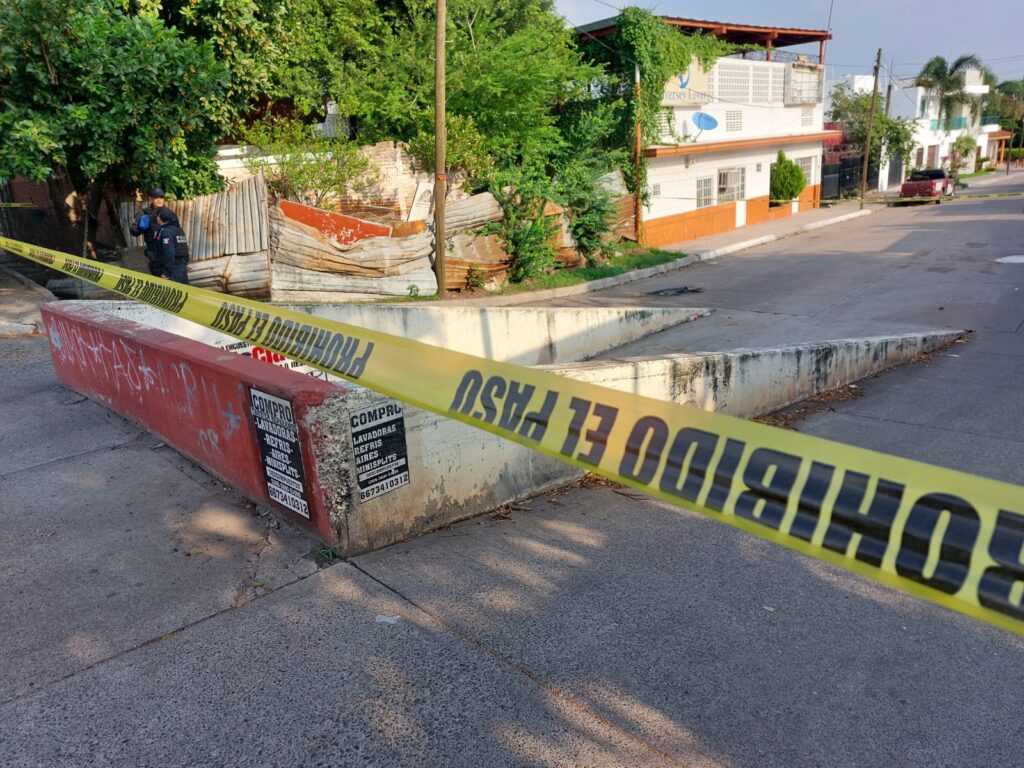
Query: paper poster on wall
x,y
423,202
280,451
381,457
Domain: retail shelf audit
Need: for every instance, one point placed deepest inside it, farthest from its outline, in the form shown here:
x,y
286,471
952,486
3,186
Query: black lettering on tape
x,y
358,367
692,449
995,590
808,510
873,526
580,409
466,394
769,477
516,402
535,423
493,387
649,431
955,549
722,480
598,437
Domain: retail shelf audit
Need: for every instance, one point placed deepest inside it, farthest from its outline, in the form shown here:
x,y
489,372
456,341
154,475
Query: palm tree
x,y
946,81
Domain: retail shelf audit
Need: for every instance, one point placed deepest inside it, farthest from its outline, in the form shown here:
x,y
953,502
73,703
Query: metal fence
x,y
228,223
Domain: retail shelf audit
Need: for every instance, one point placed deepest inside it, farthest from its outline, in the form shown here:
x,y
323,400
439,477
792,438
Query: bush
x,y
525,231
589,207
301,164
787,180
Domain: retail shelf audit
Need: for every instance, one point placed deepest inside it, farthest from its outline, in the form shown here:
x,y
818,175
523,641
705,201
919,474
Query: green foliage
x,y
319,50
891,136
303,165
241,34
787,180
466,148
475,278
525,231
509,63
586,128
106,98
660,51
946,81
963,147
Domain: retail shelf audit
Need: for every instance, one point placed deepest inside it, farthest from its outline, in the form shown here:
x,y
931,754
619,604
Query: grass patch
x,y
628,257
984,172
625,260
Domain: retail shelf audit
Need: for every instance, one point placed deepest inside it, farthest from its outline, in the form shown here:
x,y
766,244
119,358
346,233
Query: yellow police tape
x,y
953,538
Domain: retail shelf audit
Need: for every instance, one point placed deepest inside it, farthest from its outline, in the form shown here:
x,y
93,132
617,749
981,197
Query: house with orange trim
x,y
723,129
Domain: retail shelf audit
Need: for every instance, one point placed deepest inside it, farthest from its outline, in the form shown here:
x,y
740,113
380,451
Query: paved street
x,y
151,618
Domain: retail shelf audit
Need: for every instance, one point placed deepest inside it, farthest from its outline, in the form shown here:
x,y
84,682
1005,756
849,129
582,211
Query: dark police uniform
x,y
149,236
173,247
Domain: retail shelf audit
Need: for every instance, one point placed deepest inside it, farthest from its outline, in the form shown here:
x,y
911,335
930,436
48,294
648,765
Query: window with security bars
x,y
655,190
732,184
807,116
734,120
706,192
807,166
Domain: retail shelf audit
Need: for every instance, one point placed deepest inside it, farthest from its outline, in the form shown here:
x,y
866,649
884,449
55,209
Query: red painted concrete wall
x,y
194,396
344,229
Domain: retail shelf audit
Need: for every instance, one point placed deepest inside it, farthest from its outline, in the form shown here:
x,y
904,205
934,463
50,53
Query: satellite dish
x,y
704,121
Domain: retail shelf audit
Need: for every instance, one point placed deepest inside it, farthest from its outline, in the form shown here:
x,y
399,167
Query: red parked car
x,y
930,184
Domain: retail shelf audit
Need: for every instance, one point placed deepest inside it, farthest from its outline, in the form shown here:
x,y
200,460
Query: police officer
x,y
172,245
145,224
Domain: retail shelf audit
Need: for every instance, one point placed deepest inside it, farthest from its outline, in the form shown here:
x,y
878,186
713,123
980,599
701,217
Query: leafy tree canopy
x,y
891,136
97,94
946,80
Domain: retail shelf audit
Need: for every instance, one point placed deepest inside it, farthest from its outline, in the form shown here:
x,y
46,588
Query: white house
x,y
723,130
933,138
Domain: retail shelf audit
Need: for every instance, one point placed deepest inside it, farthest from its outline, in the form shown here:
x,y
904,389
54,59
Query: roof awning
x,y
740,34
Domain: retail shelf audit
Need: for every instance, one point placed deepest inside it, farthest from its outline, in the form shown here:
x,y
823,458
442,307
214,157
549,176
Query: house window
x,y
655,190
732,184
807,116
734,120
919,159
807,166
705,191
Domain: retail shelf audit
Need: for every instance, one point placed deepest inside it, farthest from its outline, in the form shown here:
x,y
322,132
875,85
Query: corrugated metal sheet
x,y
225,224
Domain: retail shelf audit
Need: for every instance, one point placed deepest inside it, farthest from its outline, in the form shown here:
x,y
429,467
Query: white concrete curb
x,y
642,274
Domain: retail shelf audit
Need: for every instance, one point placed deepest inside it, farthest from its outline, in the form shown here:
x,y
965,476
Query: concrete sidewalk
x,y
19,304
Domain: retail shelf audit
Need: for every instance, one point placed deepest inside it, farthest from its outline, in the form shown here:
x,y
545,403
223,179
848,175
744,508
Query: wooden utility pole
x,y
871,125
440,147
638,148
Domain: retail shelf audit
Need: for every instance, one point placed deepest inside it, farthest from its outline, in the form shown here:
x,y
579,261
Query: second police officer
x,y
172,246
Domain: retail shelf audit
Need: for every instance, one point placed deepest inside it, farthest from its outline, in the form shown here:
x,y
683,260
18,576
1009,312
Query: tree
x,y
787,180
946,81
891,136
961,149
97,101
509,64
303,165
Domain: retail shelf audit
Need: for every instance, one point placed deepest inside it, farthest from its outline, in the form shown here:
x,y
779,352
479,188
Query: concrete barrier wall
x,y
196,398
527,336
752,382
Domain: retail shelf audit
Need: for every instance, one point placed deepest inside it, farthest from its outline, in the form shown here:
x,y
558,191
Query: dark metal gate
x,y
896,171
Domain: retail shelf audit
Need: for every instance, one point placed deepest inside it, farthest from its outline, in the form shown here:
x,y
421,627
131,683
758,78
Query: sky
x,y
909,32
